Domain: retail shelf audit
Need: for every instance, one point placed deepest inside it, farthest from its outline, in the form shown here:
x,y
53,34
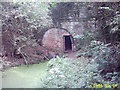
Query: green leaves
x,y
66,73
36,13
115,22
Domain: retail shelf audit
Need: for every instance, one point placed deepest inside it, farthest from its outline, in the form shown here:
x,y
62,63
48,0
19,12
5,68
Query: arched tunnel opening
x,y
68,43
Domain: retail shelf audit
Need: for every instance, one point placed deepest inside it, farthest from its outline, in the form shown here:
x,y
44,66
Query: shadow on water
x,y
24,76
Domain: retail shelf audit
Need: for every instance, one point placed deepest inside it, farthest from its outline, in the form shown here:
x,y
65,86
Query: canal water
x,y
24,76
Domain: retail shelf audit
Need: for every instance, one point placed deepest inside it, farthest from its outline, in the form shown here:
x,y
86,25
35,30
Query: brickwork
x,y
53,39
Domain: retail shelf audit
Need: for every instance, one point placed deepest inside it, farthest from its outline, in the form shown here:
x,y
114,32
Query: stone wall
x,y
78,28
81,23
74,27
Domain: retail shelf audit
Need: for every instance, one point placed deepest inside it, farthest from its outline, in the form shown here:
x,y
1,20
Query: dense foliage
x,y
103,54
105,14
98,63
21,21
24,24
107,58
107,18
66,74
78,73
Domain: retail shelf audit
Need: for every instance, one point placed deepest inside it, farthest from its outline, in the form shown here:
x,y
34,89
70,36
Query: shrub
x,y
85,38
106,57
66,73
83,72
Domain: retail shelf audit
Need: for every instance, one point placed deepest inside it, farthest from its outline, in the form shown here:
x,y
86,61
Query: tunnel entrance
x,y
58,39
67,43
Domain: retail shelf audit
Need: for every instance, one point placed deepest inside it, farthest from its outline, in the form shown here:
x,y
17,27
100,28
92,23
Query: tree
x,y
107,19
19,20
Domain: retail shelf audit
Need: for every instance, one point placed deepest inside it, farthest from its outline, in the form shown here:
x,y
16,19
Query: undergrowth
x,y
83,72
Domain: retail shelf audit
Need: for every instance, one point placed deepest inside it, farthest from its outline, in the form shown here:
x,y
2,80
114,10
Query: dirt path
x,y
72,55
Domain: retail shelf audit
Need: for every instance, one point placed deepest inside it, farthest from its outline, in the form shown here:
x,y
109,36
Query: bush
x,y
83,72
85,38
66,73
106,58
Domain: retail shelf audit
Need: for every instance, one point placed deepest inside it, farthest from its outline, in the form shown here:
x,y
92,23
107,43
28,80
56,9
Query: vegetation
x,y
20,27
65,73
105,56
98,50
95,65
103,67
